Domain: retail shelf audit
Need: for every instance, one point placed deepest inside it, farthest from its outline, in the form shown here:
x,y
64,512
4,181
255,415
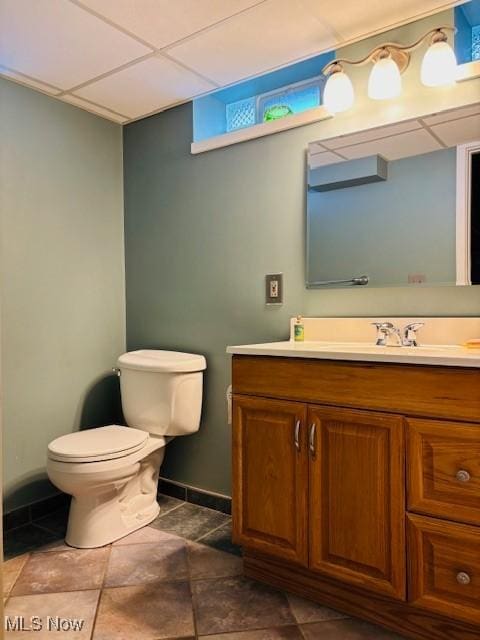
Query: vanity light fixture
x,y
389,61
338,94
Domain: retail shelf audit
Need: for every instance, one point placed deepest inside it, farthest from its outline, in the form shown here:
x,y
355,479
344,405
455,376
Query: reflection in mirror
x,y
396,205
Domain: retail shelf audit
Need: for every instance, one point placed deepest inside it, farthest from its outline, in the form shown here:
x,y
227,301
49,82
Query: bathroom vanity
x,y
356,477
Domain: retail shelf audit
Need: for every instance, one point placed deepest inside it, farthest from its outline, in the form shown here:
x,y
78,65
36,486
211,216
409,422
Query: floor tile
x,y
62,571
351,629
206,562
167,503
26,539
144,563
308,611
79,606
155,611
56,521
275,633
11,571
190,521
146,535
237,604
57,545
221,539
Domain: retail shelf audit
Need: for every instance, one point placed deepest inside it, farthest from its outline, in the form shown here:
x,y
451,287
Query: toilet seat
x,y
96,445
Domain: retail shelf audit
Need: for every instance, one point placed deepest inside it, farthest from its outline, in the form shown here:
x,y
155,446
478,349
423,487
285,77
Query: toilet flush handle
x,y
117,372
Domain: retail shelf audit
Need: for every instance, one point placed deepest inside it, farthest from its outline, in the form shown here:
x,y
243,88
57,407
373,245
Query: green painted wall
x,y
202,232
62,271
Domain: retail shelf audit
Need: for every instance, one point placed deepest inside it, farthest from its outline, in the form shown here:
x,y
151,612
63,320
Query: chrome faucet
x,y
409,338
406,338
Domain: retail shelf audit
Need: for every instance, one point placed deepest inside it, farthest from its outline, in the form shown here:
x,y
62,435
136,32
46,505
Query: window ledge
x,y
468,71
260,130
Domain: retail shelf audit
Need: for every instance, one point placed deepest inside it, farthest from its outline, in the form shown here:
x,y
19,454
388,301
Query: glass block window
x,y
288,100
240,114
476,43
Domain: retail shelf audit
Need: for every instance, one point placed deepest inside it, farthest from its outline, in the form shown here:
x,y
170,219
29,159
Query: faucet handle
x,y
410,334
383,326
383,331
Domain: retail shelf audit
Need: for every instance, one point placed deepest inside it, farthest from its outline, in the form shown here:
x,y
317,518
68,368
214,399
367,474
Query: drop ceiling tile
x,y
355,18
371,134
395,147
60,44
161,22
269,35
459,131
147,86
452,114
29,82
99,111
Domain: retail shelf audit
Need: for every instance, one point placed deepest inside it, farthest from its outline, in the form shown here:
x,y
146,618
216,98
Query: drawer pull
x,y
463,578
462,475
297,435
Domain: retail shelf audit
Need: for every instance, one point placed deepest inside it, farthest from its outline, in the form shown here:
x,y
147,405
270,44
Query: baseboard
x,y
194,495
26,515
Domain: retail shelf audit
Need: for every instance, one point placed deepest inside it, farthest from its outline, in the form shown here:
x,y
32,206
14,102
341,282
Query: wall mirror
x,y
398,205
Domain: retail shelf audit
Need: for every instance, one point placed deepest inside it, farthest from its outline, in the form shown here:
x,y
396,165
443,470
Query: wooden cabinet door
x,y
270,477
357,498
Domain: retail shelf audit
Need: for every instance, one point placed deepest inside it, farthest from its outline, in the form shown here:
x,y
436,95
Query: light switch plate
x,y
274,288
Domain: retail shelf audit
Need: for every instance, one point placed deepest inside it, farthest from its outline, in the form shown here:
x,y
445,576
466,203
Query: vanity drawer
x,y
443,463
444,567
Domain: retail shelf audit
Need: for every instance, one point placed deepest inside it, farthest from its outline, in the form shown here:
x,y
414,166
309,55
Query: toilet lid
x,y
94,445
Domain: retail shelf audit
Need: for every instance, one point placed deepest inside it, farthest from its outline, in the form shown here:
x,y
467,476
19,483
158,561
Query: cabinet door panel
x,y
357,501
270,476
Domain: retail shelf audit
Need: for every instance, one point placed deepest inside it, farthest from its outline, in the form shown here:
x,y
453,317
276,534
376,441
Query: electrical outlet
x,y
274,288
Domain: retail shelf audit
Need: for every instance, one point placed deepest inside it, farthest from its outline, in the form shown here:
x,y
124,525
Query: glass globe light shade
x,y
338,94
384,81
439,65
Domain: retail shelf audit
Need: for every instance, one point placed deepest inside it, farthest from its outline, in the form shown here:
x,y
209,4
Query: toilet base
x,y
90,533
113,503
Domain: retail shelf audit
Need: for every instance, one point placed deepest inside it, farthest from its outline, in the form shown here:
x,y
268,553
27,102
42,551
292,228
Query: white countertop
x,y
440,355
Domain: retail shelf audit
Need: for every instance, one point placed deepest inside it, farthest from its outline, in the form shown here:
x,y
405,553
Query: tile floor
x,y
180,577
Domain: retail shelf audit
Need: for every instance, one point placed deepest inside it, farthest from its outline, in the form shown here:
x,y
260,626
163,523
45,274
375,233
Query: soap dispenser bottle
x,y
298,330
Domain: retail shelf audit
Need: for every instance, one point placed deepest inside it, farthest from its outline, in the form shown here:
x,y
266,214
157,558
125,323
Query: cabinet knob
x,y
463,578
462,475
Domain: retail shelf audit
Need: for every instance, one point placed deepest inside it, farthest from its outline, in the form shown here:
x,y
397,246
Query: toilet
x,y
112,472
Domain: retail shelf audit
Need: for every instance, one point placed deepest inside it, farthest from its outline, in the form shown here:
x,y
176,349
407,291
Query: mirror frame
x,y
463,210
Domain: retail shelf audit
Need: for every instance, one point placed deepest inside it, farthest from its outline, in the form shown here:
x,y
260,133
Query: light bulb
x,y
439,65
384,81
338,94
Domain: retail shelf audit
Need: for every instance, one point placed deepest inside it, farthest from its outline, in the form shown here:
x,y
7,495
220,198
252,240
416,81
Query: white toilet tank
x,y
162,391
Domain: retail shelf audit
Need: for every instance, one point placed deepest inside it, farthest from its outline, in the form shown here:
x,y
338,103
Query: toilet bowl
x,y
112,472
